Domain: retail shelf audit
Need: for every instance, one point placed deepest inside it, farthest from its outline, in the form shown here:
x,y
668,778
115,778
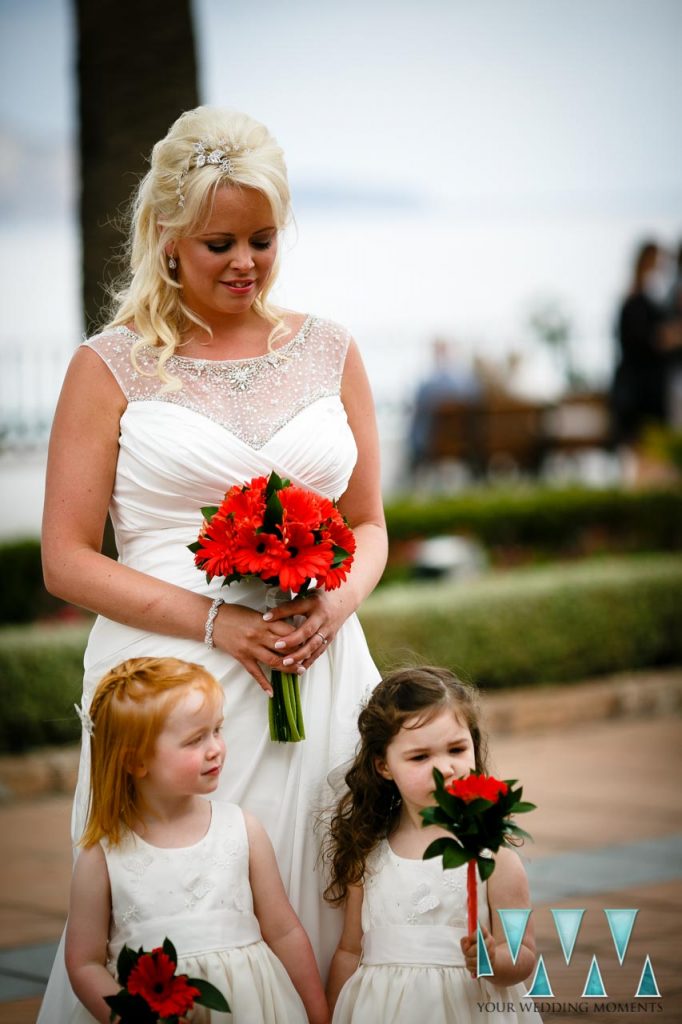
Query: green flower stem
x,y
284,708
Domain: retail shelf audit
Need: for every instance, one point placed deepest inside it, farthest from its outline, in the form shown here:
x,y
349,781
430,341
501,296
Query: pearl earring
x,y
172,263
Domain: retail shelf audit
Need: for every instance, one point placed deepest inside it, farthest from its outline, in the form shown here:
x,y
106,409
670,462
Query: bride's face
x,y
223,269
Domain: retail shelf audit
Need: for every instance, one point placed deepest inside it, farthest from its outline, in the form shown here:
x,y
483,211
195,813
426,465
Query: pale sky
x,y
489,105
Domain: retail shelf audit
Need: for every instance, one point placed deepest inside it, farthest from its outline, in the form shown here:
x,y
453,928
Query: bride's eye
x,y
218,246
262,243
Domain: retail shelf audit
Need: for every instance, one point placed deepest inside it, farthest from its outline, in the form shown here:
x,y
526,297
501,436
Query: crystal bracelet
x,y
210,622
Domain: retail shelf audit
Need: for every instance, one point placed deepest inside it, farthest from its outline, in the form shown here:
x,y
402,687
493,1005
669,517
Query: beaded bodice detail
x,y
399,891
252,398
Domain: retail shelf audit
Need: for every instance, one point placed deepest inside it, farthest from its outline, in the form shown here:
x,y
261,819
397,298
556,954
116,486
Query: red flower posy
x,y
153,977
475,787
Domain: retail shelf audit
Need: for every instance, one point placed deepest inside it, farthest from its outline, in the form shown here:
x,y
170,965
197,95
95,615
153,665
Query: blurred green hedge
x,y
515,628
23,597
546,624
554,518
41,677
548,521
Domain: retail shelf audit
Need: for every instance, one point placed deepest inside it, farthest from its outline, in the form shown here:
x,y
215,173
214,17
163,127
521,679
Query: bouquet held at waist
x,y
288,537
152,992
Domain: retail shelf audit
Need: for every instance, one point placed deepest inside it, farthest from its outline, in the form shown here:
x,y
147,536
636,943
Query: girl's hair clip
x,y
86,720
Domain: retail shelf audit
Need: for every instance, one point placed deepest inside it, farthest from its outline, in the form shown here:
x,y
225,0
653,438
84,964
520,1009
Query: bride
x,y
199,383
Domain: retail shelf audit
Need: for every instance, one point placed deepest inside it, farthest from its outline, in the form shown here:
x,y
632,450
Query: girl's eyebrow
x,y
453,741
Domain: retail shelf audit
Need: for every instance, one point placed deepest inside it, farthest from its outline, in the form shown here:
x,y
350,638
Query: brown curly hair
x,y
369,809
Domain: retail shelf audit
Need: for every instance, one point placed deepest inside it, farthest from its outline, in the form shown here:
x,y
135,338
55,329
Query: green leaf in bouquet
x,y
454,855
196,546
437,848
208,511
436,816
275,483
129,1009
523,807
210,996
339,555
169,949
272,516
486,866
127,959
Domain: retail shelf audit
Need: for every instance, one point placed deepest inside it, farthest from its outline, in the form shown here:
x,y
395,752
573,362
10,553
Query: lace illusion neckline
x,y
266,359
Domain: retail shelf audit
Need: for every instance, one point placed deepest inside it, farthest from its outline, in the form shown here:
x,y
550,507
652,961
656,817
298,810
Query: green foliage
x,y
41,677
546,624
23,597
546,518
524,626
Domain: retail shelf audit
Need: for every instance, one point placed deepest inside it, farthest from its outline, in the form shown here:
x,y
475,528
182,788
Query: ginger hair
x,y
128,710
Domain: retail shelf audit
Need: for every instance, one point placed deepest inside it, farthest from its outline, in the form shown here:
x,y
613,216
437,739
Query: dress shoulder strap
x,y
114,346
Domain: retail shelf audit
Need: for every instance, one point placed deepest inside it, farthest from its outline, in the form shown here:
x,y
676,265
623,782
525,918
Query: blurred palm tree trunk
x,y
136,73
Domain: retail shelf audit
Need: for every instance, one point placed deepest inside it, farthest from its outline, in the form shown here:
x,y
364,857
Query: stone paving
x,y
608,834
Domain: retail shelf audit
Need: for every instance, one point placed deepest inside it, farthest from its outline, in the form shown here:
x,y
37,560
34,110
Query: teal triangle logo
x,y
594,986
483,966
620,923
647,983
540,985
567,924
514,924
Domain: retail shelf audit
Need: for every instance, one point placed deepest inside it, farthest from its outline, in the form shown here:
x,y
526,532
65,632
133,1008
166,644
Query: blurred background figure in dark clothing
x,y
640,384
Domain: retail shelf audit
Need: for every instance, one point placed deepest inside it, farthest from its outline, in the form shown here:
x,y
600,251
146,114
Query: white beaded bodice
x,y
252,398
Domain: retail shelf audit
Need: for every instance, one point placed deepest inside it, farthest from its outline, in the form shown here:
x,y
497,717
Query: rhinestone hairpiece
x,y
205,152
86,720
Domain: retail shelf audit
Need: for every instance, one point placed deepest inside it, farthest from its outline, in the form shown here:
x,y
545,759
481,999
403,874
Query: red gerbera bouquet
x,y
286,536
476,810
152,992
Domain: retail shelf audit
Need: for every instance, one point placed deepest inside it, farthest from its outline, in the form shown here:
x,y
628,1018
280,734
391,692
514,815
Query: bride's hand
x,y
243,633
324,614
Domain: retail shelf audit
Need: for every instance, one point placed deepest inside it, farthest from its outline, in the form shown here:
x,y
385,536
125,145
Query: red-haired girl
x,y
160,860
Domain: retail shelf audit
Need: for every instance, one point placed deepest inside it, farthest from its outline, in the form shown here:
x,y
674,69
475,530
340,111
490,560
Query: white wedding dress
x,y
179,451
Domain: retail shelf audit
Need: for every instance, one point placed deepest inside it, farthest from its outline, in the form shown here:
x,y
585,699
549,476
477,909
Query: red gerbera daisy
x,y
475,787
340,534
153,978
301,507
246,504
215,554
307,559
261,554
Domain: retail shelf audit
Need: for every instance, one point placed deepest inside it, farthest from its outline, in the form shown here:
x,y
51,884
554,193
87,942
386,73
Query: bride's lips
x,y
239,287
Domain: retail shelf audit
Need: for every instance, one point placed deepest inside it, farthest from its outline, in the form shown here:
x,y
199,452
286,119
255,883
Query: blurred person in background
x,y
645,341
450,379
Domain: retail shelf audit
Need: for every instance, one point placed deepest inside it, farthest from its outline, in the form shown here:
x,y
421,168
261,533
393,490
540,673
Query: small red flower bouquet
x,y
286,536
152,992
476,810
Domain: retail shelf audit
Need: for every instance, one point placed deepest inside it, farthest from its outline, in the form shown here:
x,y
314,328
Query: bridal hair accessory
x,y
210,622
86,720
205,152
172,263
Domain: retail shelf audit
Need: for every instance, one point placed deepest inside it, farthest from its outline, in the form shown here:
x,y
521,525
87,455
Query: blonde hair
x,y
128,711
174,200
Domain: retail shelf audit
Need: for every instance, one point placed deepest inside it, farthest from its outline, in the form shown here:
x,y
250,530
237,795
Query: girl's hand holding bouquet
x,y
287,537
